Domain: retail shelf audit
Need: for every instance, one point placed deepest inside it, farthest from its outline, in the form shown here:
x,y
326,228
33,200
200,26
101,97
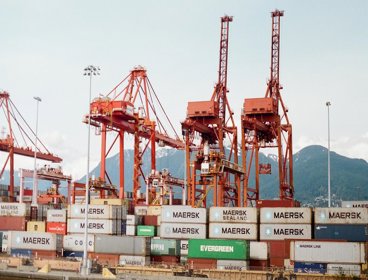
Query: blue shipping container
x,y
302,267
72,254
352,233
24,253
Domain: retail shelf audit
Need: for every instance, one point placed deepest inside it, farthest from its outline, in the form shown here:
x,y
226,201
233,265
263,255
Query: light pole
x,y
328,104
35,187
88,71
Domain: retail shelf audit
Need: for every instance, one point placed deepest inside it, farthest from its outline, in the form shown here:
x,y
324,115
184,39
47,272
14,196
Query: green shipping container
x,y
165,247
146,230
218,249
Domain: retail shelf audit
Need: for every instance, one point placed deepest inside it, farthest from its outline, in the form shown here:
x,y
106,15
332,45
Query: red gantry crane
x,y
208,123
11,144
265,124
132,107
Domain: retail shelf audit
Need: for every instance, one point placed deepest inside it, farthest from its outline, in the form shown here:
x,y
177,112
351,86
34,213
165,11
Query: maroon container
x,y
13,223
279,248
105,259
41,254
169,260
202,263
259,264
277,262
277,203
150,220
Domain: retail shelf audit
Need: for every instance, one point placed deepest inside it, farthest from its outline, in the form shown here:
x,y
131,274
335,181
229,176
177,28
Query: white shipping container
x,y
132,220
347,269
258,250
341,215
5,237
134,260
4,248
183,231
287,215
354,204
327,252
130,230
233,215
232,265
94,226
13,209
77,211
75,242
31,240
56,215
154,210
183,247
233,231
140,210
285,231
183,214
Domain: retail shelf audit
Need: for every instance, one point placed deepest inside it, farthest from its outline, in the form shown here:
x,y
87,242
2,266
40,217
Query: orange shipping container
x,y
58,228
13,223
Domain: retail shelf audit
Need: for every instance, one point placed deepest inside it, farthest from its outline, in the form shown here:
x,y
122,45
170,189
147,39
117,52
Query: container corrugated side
x,y
287,215
13,223
162,247
232,265
183,247
58,228
344,269
258,250
154,210
132,220
32,240
123,245
240,215
130,230
108,201
140,210
233,231
36,226
353,233
56,215
146,230
94,226
134,260
13,209
218,249
75,242
341,215
310,268
354,204
183,231
285,231
183,214
77,211
327,252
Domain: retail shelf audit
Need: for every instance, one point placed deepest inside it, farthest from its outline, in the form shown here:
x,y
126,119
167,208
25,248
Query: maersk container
x,y
21,253
183,214
134,260
288,215
233,231
242,215
354,204
341,215
56,215
183,247
32,240
94,226
122,245
183,231
77,211
258,250
14,209
165,247
146,230
327,252
285,231
346,269
75,242
218,249
355,233
305,267
232,265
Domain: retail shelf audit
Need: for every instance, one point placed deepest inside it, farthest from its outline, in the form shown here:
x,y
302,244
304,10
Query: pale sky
x,y
46,44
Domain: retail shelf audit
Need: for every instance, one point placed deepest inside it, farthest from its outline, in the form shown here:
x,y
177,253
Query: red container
x,y
58,228
202,263
169,260
150,220
105,259
279,248
277,262
13,223
41,254
259,264
277,203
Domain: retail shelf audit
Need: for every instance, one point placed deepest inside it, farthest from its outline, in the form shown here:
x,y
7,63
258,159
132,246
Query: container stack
x,y
218,254
350,224
14,216
279,225
56,221
327,257
165,251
